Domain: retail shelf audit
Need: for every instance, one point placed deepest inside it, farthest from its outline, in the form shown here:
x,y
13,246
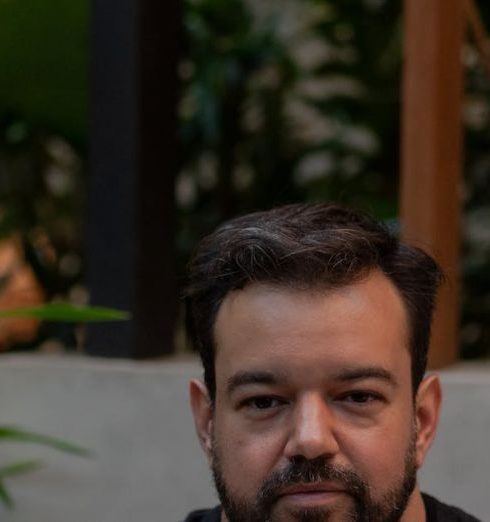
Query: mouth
x,y
312,495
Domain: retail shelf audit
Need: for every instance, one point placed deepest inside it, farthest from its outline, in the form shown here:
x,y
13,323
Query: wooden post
x,y
432,151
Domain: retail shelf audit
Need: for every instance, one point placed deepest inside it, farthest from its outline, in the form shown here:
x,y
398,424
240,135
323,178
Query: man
x,y
313,324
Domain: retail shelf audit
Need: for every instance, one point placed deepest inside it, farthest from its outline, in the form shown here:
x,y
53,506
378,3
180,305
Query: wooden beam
x,y
431,178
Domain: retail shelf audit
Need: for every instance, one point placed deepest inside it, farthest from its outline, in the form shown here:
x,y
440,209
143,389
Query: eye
x,y
361,397
262,403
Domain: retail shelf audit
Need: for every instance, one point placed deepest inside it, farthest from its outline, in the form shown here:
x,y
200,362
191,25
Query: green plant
x,y
14,434
286,101
48,312
65,312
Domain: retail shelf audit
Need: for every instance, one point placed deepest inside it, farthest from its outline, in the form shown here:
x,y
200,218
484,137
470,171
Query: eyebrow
x,y
247,377
366,372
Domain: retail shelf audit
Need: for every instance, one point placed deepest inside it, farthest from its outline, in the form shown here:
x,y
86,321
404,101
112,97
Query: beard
x,y
300,470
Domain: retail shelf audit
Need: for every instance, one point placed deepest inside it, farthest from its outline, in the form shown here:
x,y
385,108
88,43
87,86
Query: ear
x,y
427,408
202,411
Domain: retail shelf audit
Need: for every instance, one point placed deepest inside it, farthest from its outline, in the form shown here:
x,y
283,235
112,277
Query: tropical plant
x,y
19,435
49,312
286,101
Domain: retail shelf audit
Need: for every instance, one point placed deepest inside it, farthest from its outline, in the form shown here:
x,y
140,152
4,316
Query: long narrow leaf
x,y
4,495
20,435
19,468
67,312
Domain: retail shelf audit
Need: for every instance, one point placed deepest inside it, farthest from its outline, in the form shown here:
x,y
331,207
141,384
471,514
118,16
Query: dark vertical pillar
x,y
156,299
130,228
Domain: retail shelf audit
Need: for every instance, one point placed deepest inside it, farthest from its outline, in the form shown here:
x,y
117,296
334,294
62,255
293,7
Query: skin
x,y
308,375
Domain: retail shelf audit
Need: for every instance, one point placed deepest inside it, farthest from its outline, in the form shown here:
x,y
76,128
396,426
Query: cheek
x,y
379,456
246,458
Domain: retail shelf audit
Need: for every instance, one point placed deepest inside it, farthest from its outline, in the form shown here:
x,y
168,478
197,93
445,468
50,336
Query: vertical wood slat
x,y
432,152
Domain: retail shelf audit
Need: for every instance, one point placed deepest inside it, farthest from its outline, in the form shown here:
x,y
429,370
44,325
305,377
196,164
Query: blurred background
x,y
127,133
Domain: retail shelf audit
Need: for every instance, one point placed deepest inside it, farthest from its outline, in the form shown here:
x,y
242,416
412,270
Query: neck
x,y
415,511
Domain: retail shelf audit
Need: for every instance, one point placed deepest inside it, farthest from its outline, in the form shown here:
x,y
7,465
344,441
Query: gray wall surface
x,y
146,465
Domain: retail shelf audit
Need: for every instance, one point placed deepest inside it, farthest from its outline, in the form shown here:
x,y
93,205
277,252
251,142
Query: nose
x,y
312,433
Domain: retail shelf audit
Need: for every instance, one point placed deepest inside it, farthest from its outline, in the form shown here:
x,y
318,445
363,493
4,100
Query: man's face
x,y
314,416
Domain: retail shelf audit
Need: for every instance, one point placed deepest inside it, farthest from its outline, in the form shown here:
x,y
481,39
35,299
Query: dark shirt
x,y
205,515
439,512
436,512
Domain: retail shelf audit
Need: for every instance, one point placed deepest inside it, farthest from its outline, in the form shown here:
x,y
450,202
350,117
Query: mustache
x,y
308,471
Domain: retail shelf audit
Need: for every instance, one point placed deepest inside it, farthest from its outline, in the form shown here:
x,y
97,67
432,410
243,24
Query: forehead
x,y
282,329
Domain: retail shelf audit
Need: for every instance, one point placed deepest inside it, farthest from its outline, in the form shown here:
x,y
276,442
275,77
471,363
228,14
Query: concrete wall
x,y
146,464
458,466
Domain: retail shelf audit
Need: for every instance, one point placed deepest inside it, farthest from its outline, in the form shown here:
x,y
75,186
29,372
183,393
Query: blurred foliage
x,y
44,64
20,435
41,200
284,100
475,332
287,100
43,133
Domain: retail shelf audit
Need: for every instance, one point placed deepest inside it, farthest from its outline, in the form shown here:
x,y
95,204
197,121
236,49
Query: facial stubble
x,y
365,508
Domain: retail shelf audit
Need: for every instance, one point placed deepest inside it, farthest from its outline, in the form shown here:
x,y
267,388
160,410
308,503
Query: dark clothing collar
x,y
436,512
205,515
439,512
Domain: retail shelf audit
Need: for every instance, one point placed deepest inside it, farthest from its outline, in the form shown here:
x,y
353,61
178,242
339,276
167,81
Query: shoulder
x,y
205,515
439,512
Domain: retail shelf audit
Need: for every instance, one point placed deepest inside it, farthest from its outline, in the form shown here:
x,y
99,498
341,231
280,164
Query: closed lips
x,y
320,487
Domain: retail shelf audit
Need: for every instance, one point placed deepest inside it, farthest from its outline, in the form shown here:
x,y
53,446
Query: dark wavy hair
x,y
306,246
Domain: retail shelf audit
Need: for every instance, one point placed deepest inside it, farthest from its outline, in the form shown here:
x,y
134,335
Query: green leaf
x,y
67,312
4,495
20,435
19,468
